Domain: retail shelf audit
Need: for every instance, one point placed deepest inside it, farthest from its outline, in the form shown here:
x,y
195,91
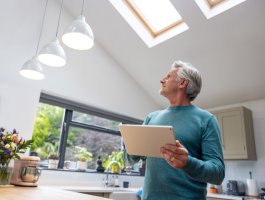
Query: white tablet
x,y
146,140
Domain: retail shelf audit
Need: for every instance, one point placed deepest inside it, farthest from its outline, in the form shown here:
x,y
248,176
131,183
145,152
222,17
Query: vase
x,y
5,175
115,168
81,165
53,164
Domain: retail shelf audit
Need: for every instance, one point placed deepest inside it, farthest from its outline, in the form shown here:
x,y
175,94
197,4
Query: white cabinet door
x,y
237,133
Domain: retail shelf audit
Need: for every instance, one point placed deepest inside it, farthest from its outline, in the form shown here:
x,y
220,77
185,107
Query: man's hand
x,y
175,155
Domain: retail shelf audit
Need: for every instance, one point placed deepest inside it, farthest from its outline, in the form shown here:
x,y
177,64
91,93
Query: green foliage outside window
x,y
82,143
47,130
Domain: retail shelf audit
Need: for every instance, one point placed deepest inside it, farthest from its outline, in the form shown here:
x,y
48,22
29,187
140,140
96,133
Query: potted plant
x,y
53,161
83,157
115,162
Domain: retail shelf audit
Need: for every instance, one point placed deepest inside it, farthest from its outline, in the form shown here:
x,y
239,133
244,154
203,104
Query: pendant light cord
x,y
59,18
42,23
82,7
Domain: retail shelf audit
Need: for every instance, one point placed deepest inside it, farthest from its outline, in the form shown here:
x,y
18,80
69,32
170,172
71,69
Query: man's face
x,y
169,84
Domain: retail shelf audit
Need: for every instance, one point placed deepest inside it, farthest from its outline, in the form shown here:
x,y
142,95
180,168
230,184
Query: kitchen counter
x,y
97,189
108,192
232,197
42,193
223,196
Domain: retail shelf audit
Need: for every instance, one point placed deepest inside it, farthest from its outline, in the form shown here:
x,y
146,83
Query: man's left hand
x,y
175,155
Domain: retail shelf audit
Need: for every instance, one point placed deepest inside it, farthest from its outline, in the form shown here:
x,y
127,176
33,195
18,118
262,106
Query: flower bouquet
x,y
10,146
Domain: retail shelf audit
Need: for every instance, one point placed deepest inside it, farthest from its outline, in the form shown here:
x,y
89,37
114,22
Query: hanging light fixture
x,y
79,35
53,54
32,69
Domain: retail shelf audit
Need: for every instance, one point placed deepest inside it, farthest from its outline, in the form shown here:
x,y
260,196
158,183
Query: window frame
x,y
212,3
148,26
142,31
71,106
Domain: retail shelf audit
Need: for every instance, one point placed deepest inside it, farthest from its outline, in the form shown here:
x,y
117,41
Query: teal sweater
x,y
198,131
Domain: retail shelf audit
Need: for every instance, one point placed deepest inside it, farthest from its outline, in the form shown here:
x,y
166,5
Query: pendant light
x,y
32,69
53,54
79,35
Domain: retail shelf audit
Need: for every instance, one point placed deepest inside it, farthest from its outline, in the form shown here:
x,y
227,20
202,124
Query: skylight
x,y
154,21
211,8
158,16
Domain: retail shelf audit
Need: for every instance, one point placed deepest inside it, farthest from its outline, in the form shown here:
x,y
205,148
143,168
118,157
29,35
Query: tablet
x,y
146,140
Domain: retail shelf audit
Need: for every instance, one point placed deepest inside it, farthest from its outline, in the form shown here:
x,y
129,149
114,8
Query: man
x,y
197,159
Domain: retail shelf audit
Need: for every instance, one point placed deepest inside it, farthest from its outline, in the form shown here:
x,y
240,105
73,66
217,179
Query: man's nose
x,y
162,80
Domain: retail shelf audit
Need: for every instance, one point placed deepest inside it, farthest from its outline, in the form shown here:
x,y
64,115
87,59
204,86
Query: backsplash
x,y
67,178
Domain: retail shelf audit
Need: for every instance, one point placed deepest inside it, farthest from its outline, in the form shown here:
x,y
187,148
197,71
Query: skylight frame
x,y
137,25
148,26
211,8
213,3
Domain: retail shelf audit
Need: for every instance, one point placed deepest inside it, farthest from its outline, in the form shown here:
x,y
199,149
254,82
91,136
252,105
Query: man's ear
x,y
184,83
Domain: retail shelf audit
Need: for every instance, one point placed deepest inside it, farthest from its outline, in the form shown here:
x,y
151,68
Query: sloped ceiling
x,y
228,49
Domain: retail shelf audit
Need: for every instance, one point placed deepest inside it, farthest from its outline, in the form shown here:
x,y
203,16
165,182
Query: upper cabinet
x,y
237,133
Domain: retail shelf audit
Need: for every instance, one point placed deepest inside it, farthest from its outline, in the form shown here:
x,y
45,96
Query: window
x,y
154,21
157,21
94,120
96,142
65,127
211,8
158,16
47,130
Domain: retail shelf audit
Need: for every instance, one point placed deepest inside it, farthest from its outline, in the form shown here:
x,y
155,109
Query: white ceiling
x,y
228,49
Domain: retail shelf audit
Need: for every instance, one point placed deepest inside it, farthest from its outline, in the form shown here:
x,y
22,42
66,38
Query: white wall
x,y
18,108
239,169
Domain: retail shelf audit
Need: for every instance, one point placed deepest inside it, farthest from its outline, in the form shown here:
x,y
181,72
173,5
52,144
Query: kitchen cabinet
x,y
237,133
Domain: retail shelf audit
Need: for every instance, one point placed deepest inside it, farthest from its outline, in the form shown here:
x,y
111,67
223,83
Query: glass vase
x,y
5,175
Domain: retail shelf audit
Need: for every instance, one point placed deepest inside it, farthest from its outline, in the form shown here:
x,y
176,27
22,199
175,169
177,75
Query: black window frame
x,y
71,106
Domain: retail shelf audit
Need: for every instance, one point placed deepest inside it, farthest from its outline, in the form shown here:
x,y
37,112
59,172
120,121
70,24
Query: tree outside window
x,y
96,135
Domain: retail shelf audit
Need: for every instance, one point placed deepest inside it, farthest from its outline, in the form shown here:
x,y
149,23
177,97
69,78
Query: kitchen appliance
x,y
26,171
262,195
252,189
234,187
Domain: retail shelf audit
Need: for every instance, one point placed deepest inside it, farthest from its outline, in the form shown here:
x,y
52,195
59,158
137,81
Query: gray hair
x,y
188,72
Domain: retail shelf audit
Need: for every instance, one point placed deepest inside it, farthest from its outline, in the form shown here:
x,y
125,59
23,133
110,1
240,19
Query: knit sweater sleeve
x,y
210,167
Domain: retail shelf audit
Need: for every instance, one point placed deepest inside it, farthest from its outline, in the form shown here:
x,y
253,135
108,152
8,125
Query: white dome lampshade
x,y
52,54
79,35
32,69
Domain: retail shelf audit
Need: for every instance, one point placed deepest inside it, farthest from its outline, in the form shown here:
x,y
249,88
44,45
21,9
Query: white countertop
x,y
88,189
225,196
42,193
97,189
